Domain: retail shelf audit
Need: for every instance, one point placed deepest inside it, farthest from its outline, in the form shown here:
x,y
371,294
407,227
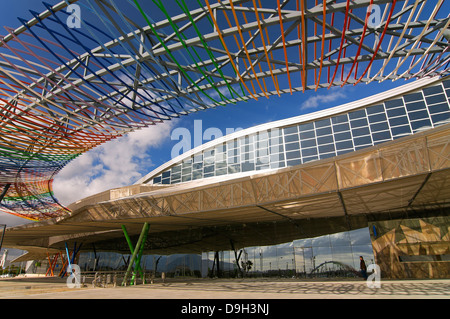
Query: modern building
x,y
302,196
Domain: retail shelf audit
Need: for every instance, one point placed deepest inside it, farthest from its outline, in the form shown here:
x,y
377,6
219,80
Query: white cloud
x,y
116,163
314,102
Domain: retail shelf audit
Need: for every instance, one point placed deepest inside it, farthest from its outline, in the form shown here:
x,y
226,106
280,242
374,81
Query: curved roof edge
x,y
364,102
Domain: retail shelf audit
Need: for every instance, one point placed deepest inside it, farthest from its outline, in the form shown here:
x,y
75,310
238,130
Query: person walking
x,y
362,267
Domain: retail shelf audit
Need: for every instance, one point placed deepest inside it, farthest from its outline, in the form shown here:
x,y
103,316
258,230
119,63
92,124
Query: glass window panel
x,y
380,108
262,144
360,236
327,155
396,112
260,153
221,148
277,149
292,155
291,138
422,124
221,165
308,143
435,99
402,120
361,131
277,165
186,178
166,174
176,169
247,157
206,175
324,131
433,90
342,136
221,171
264,135
292,146
438,108
232,144
306,127
386,135
310,159
326,148
419,115
340,239
208,153
293,162
209,160
233,159
446,83
343,254
359,123
247,148
379,127
198,158
265,166
413,97
341,127
357,114
344,145
339,119
306,135
186,170
274,133
277,157
365,140
221,157
415,106
166,181
176,176
235,168
208,169
401,130
246,167
309,152
322,123
392,103
276,140
197,175
377,118
290,130
440,118
157,180
234,152
325,139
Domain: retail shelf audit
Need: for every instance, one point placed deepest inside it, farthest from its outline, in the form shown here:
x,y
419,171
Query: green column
x,y
136,252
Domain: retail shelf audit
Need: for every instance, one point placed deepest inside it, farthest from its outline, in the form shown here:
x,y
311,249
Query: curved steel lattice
x,y
66,89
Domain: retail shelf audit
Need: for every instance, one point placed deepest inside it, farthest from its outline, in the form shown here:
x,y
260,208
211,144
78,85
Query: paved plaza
x,y
56,288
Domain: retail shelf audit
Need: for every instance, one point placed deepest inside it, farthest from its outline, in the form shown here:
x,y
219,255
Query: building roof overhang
x,y
331,195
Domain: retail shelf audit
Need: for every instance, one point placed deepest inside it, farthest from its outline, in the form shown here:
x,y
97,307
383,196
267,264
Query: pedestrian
x,y
362,267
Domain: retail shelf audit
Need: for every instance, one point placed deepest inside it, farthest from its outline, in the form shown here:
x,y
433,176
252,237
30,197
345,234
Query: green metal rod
x,y
135,253
137,268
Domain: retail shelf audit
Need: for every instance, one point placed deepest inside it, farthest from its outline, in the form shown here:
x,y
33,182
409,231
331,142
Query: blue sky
x,y
123,161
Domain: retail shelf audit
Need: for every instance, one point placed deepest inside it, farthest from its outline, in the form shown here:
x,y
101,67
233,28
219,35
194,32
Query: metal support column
x,y
136,252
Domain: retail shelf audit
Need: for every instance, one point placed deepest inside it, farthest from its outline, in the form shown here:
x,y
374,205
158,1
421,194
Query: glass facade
x,y
334,255
322,138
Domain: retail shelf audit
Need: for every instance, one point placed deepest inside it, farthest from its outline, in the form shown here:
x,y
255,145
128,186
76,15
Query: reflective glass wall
x,y
335,255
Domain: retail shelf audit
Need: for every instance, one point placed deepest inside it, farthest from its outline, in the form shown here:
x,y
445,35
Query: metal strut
x,y
136,253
